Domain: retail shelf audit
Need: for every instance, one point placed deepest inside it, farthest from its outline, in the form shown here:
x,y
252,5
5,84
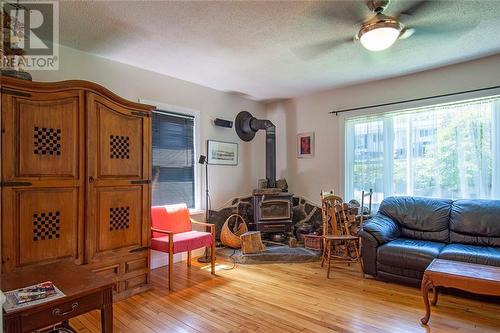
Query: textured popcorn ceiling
x,y
246,47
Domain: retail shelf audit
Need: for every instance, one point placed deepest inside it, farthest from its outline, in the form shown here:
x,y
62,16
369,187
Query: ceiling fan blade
x,y
451,30
312,51
406,33
351,12
415,8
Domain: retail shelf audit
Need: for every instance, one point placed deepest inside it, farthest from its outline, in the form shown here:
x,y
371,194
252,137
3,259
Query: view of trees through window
x,y
449,151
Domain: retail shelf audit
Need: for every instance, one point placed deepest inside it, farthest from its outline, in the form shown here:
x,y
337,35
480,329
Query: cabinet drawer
x,y
136,281
108,271
136,264
61,312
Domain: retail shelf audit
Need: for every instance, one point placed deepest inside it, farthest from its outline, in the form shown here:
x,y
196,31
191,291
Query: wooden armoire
x,y
76,168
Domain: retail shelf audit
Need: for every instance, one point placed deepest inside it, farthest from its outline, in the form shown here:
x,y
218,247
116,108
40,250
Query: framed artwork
x,y
305,145
222,153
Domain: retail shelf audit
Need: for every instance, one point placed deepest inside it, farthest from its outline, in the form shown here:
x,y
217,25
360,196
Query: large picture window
x,y
449,151
173,159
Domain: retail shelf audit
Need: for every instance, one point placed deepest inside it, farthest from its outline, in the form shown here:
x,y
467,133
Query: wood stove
x,y
272,208
272,211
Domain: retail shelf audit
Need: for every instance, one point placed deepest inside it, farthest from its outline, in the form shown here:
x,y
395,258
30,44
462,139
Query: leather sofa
x,y
407,233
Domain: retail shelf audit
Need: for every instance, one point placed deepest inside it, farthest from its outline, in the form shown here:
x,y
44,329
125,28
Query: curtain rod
x,y
413,100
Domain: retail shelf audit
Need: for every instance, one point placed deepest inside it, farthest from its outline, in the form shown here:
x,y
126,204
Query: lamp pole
x,y
203,160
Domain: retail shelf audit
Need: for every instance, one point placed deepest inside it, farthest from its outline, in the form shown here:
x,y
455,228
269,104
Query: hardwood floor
x,y
287,298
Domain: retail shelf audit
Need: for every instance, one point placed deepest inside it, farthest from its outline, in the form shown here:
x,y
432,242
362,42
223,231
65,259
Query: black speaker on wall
x,y
223,123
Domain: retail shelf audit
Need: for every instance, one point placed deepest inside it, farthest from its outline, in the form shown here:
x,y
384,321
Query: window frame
x,y
183,111
342,118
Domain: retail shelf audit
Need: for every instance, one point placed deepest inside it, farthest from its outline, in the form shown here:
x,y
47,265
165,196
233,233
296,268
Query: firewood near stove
x,y
282,184
251,243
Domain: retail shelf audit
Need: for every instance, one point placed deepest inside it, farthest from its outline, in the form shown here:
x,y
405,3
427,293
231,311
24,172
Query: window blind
x,y
173,159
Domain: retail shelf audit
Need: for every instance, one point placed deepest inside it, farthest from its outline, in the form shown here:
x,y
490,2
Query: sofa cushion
x,y
475,222
419,218
409,254
484,255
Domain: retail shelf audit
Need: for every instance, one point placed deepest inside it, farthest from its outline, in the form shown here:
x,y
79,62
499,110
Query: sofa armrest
x,y
382,228
369,247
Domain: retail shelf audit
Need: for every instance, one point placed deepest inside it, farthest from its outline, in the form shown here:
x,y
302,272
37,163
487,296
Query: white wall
x,y
133,83
311,113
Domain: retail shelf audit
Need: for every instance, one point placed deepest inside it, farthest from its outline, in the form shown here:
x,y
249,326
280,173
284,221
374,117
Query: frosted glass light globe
x,y
379,39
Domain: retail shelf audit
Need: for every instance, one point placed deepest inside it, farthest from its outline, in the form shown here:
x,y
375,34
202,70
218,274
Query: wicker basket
x,y
230,238
313,242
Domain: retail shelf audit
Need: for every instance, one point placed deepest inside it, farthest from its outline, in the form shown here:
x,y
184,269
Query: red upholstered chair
x,y
172,232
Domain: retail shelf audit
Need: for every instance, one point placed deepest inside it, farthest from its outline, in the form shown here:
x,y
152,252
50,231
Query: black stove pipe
x,y
246,126
270,129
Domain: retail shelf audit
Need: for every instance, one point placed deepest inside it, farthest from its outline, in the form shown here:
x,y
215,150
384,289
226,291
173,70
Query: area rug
x,y
272,254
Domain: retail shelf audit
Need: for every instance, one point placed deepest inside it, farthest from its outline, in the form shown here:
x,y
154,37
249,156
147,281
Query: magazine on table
x,y
32,295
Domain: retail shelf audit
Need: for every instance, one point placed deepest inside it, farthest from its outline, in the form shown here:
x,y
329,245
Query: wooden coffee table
x,y
85,291
474,278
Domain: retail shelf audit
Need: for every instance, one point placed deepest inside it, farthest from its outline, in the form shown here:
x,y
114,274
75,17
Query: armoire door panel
x,y
42,136
119,218
46,224
120,144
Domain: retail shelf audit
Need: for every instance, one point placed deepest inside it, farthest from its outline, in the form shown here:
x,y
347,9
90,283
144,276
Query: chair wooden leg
x,y
329,252
170,261
358,253
212,259
323,254
212,251
170,270
357,249
189,259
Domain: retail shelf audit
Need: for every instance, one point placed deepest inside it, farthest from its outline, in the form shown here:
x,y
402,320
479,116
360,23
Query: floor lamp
x,y
203,160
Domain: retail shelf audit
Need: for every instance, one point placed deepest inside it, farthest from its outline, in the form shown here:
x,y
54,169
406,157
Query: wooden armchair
x,y
172,232
339,244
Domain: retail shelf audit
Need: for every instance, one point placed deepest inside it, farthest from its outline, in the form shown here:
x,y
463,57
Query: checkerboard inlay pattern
x,y
46,225
119,218
119,147
47,141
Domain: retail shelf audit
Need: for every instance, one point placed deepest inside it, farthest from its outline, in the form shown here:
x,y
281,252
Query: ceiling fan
x,y
379,32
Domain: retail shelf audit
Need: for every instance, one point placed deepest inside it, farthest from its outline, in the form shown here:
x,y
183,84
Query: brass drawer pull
x,y
57,312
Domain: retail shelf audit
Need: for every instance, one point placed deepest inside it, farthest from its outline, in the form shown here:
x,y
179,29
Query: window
x,y
173,159
449,151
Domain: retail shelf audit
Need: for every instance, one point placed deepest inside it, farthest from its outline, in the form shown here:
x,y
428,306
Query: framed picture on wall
x,y
222,153
305,145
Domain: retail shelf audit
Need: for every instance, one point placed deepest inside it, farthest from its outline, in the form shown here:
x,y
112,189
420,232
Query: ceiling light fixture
x,y
380,33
